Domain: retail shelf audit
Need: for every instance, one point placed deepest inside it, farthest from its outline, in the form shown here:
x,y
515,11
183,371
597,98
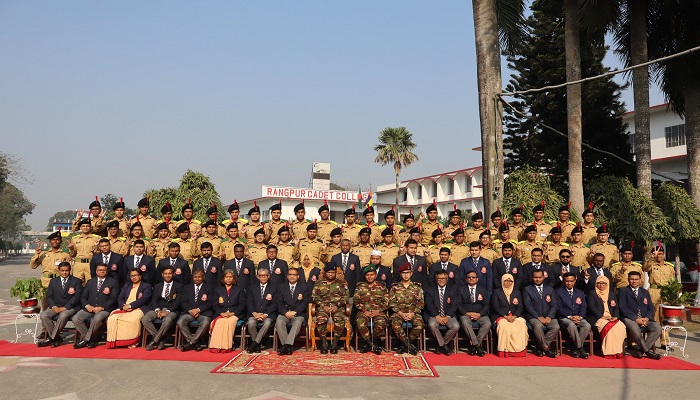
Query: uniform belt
x,y
82,260
49,275
653,287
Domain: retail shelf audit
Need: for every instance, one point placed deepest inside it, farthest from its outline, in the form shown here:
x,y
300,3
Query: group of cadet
x,y
267,273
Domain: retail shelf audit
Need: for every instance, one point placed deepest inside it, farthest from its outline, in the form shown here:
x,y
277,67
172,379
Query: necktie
x,y
636,297
99,284
238,267
206,264
411,260
272,265
537,266
196,291
471,295
442,298
539,289
571,295
262,291
291,290
345,261
105,259
507,262
599,272
137,261
444,267
63,283
167,291
172,262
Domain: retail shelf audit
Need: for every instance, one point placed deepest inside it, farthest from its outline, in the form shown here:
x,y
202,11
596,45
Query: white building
x,y
669,154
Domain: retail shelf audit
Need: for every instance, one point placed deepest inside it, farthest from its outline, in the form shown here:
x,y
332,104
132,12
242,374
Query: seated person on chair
x,y
603,313
406,300
440,308
165,306
98,299
330,297
124,324
571,314
507,313
372,302
541,311
261,307
63,296
195,304
637,312
229,306
292,305
473,307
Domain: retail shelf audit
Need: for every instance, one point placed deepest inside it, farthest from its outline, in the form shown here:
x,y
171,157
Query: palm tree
x,y
573,101
396,145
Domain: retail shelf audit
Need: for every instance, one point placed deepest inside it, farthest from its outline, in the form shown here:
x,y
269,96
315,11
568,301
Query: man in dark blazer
x,y
63,296
571,314
564,267
349,264
98,299
445,265
143,262
383,272
588,276
540,312
165,306
262,307
637,311
114,262
243,268
195,304
508,263
473,307
537,264
292,306
210,265
440,308
183,273
418,263
478,264
275,266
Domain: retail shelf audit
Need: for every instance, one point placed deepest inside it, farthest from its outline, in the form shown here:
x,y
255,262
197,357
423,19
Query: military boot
x,y
323,345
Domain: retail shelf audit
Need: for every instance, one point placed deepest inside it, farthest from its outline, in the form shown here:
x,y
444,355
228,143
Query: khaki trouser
x,y
655,295
82,271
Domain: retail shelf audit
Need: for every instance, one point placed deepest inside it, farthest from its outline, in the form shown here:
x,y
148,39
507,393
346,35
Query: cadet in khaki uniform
x,y
609,250
119,208
485,244
416,235
588,228
210,235
300,223
81,248
257,251
660,273
96,216
251,227
433,254
330,296
117,243
49,261
458,249
147,221
496,222
158,247
274,224
579,250
564,223
363,249
429,225
406,300
325,225
455,217
213,214
332,249
285,247
543,228
351,230
620,270
552,249
136,233
309,244
409,222
390,223
188,219
376,235
517,228
523,251
167,217
235,211
187,244
472,234
390,250
228,243
372,302
504,237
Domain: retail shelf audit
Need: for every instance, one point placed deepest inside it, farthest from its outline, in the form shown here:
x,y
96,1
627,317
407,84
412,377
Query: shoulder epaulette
x,y
121,238
175,240
65,251
617,263
224,240
222,225
95,236
319,240
267,221
587,245
424,220
334,223
178,223
400,226
361,223
446,245
497,241
251,246
242,240
636,263
226,222
196,221
146,239
245,221
564,244
553,222
668,263
308,220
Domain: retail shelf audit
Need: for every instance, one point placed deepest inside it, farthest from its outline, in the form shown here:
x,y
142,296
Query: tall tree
x,y
573,101
396,147
201,191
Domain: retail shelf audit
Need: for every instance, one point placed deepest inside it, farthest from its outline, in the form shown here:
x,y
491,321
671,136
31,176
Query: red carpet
x,y
342,364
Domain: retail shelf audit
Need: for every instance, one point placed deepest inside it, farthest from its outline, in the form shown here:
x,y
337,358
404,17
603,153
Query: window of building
x,y
450,187
468,183
631,142
419,192
403,195
434,194
675,135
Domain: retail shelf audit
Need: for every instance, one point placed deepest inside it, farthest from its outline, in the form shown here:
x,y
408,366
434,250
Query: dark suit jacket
x,y
549,275
559,280
229,302
384,274
432,301
482,269
278,276
214,273
203,301
106,298
68,297
629,305
452,273
143,295
267,304
115,267
182,274
595,309
314,276
500,305
243,277
353,270
420,269
590,285
298,302
480,304
147,265
498,269
172,303
536,306
569,306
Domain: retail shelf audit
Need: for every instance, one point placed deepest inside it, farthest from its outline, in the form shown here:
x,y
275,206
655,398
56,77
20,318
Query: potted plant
x,y
673,300
29,292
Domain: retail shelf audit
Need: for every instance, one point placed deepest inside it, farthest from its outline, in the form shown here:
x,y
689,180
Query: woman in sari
x,y
603,314
309,270
124,324
506,313
229,307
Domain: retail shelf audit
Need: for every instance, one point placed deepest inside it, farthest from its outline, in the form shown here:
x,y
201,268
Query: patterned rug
x,y
345,364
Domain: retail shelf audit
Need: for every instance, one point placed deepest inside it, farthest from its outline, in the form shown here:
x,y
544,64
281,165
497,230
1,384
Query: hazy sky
x,y
118,97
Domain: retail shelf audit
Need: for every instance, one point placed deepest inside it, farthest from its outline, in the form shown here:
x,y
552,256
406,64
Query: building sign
x,y
310,194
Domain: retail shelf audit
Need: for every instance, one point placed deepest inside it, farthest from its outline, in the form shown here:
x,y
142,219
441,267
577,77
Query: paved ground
x,y
129,379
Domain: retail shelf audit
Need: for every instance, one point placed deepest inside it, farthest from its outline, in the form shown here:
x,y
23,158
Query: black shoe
x,y
636,353
152,346
57,342
161,345
376,349
583,353
471,350
80,344
575,353
364,347
334,346
46,342
187,347
538,352
251,347
323,346
653,355
438,350
282,350
92,344
479,351
550,353
446,350
413,350
290,349
402,349
198,348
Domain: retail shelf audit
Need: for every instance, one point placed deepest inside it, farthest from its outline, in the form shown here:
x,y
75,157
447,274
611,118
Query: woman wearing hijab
x,y
309,270
229,307
124,324
603,314
506,313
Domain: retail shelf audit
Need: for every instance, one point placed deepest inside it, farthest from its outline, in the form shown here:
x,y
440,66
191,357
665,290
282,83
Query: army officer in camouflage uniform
x,y
372,301
330,296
